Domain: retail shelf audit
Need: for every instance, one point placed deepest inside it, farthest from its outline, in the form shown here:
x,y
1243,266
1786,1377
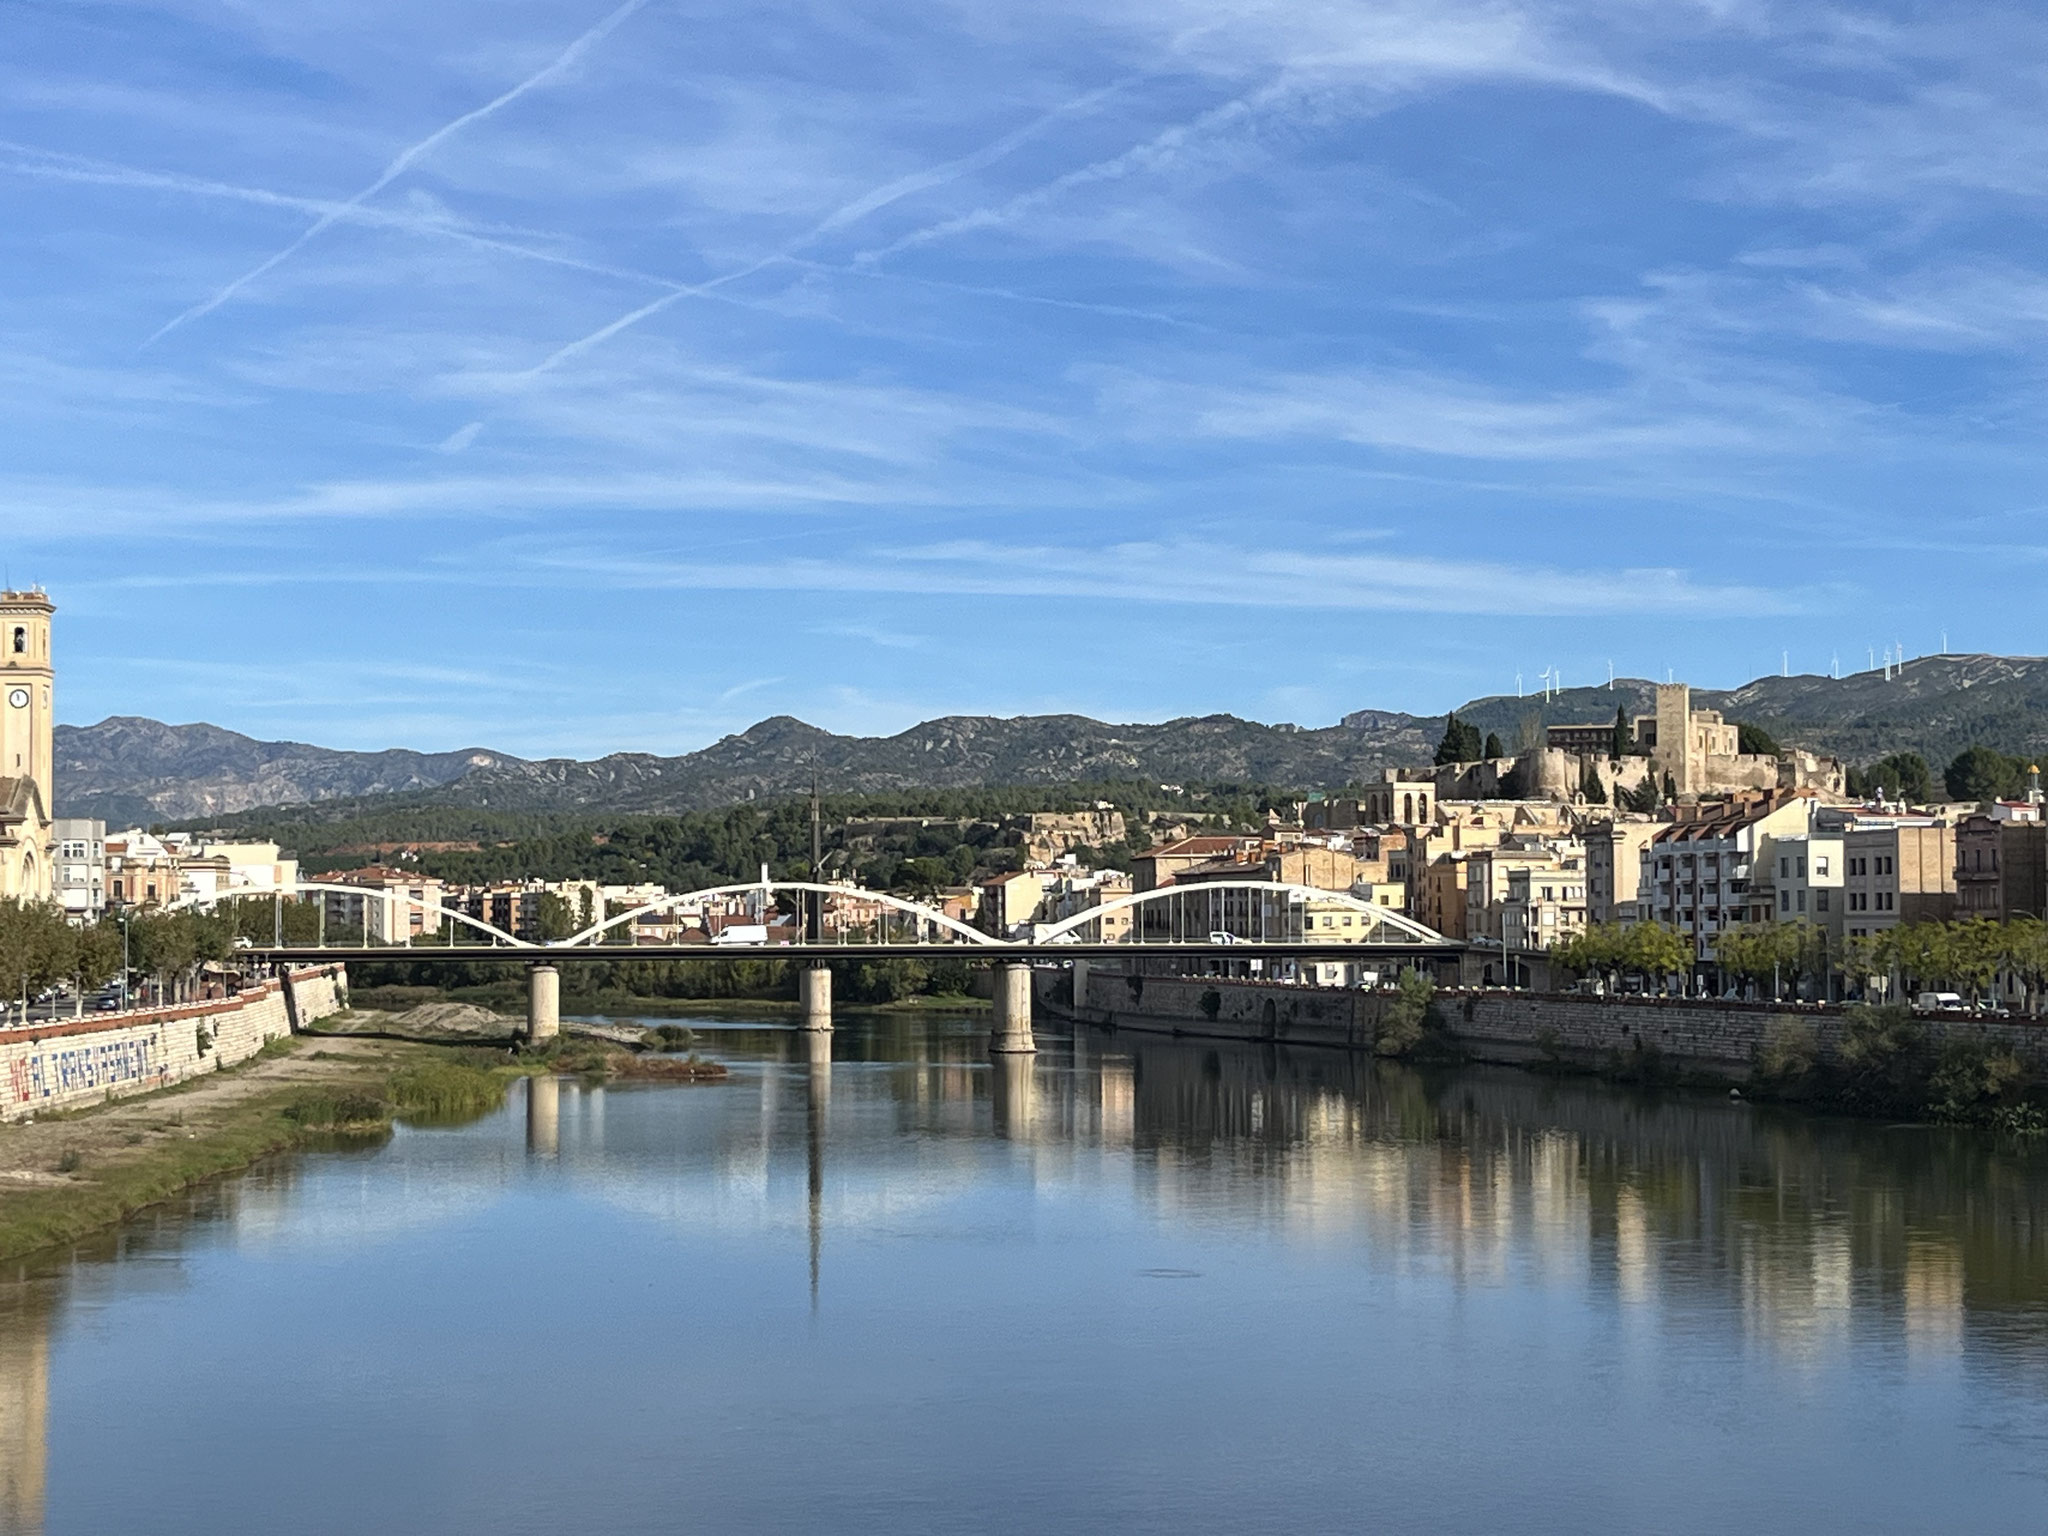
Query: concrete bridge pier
x,y
814,991
1012,1034
543,1004
1078,998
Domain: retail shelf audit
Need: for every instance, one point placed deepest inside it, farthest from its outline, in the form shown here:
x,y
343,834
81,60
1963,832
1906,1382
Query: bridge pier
x,y
814,991
1012,1033
1077,997
543,1004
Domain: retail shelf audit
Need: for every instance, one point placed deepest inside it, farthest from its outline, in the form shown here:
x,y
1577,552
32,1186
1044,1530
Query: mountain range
x,y
130,770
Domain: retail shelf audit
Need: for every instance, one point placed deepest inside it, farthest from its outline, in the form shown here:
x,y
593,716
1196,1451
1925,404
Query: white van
x,y
1938,1002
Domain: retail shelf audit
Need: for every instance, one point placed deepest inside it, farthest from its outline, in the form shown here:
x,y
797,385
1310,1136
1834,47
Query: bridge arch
x,y
367,893
1410,932
898,903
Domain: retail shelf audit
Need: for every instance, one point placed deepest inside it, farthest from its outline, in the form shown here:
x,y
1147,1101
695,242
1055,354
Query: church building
x,y
27,745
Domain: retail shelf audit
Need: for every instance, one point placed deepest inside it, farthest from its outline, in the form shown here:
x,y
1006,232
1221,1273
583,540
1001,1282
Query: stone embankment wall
x,y
68,1063
1716,1038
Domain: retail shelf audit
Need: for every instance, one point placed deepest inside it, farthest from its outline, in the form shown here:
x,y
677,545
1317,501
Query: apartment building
x,y
81,867
1085,891
1614,865
1809,871
390,906
2001,868
1715,867
1899,871
1543,906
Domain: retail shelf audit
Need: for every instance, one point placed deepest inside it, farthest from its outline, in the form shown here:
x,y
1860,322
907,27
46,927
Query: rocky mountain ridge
x,y
132,770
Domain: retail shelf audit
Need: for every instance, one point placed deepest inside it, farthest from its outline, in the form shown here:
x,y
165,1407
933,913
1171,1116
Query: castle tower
x,y
1673,754
28,684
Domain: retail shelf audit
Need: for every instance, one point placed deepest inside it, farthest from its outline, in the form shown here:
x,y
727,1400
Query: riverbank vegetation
x,y
1887,1062
65,1175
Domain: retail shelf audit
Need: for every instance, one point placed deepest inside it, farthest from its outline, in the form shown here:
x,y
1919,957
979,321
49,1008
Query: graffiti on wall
x,y
58,1070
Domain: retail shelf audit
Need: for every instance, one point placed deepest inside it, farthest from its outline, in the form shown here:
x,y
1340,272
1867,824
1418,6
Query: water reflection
x,y
26,1310
1311,1194
544,1115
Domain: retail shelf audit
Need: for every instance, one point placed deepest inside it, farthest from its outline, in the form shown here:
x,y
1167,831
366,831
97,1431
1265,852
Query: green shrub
x,y
1405,1020
1973,1080
670,1037
1884,1060
1789,1052
445,1091
338,1110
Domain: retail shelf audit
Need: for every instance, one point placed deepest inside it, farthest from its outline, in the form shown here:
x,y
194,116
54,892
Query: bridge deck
x,y
559,954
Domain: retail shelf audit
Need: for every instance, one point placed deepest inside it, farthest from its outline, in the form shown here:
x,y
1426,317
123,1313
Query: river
x,y
1136,1285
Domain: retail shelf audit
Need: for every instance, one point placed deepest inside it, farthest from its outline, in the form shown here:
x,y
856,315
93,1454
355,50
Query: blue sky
x,y
568,379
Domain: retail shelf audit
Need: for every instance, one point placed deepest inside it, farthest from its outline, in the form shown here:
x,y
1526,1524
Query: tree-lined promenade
x,y
1974,957
41,949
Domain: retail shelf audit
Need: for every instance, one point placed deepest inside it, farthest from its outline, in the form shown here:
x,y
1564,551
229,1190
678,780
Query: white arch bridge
x,y
1236,920
1210,915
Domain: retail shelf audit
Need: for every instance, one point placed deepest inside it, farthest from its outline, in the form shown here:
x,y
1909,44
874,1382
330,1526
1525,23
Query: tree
x,y
37,948
1654,950
1493,747
1589,783
1756,741
1406,1018
1979,773
1622,735
1461,743
553,917
1901,776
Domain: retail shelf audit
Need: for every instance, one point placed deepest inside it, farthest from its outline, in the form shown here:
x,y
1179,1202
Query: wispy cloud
x,y
403,161
1192,574
869,202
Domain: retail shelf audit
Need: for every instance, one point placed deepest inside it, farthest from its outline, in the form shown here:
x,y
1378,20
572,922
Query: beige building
x,y
391,906
1159,866
1073,894
142,870
1614,857
1897,872
1011,902
1403,797
28,683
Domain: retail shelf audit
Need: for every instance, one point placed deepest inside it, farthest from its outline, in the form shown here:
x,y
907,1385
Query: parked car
x,y
1938,1002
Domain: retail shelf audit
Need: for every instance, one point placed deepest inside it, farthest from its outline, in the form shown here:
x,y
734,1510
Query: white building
x,y
81,864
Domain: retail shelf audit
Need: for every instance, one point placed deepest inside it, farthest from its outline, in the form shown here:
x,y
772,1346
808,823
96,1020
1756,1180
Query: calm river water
x,y
1133,1285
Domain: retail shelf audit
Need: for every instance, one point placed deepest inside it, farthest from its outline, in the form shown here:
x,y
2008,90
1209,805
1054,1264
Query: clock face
x,y
18,698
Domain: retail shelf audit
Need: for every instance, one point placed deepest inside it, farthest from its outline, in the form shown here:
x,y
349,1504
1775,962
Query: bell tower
x,y
28,684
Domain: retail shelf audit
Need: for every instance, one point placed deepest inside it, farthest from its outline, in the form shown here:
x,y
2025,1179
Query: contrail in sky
x,y
867,203
404,161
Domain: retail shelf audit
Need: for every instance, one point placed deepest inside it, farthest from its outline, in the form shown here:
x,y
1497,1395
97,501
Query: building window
x,y
1802,901
1820,901
20,640
1820,864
